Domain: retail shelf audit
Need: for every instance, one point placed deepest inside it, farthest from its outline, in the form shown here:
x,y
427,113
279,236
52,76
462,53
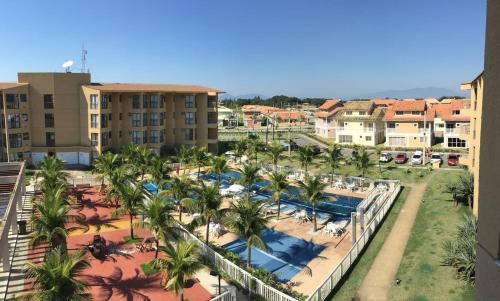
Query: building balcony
x,y
458,131
363,130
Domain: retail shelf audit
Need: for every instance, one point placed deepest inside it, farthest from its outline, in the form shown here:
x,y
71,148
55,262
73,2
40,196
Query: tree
x,y
249,175
463,189
279,186
247,221
240,148
184,154
159,169
332,157
51,172
275,153
219,166
179,189
306,156
312,193
179,264
363,162
132,198
158,219
254,145
138,159
200,158
209,203
116,178
378,152
56,278
105,164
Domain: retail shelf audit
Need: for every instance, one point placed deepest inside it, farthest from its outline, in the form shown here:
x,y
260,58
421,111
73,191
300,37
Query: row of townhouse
x,y
397,123
256,116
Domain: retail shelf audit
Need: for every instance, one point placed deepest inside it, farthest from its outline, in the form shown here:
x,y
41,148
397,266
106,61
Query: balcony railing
x,y
363,130
459,130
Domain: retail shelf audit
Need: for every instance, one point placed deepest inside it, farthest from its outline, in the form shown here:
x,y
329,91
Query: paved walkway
x,y
380,277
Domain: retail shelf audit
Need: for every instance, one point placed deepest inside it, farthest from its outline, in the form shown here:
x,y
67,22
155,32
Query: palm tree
x,y
105,164
56,278
249,175
159,169
158,219
179,264
279,186
184,154
306,156
254,145
465,188
332,157
138,158
452,188
312,193
131,198
179,189
51,170
378,152
363,162
219,166
50,219
208,202
247,221
240,148
115,180
275,153
200,158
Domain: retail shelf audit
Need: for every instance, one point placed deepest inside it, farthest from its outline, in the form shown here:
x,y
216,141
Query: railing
x,y
459,130
329,284
229,295
363,130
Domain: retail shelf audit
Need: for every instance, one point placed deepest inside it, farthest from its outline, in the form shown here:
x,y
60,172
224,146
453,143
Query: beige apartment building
x,y
360,122
66,115
325,124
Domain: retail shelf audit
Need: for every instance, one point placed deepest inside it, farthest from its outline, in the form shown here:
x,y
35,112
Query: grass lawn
x,y
421,273
353,280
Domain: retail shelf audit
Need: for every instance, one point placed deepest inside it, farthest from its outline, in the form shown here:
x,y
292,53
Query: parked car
x,y
417,158
400,158
354,155
385,157
436,158
293,145
453,160
316,149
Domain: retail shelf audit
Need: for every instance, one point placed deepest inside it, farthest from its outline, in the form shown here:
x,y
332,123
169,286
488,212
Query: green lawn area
x,y
421,273
353,280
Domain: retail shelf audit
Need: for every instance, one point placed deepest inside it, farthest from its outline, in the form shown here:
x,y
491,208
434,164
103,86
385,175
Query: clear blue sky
x,y
330,48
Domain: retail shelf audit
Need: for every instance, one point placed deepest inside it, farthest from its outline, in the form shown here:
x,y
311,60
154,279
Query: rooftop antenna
x,y
67,65
84,58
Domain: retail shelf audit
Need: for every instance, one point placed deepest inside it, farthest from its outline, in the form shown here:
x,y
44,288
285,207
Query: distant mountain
x,y
430,92
245,96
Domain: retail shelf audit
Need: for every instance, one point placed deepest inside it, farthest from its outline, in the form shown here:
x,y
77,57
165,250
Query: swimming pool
x,y
285,257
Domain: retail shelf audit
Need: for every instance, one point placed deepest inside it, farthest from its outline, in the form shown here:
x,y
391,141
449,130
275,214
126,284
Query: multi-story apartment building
x,y
325,124
409,123
452,122
66,115
360,122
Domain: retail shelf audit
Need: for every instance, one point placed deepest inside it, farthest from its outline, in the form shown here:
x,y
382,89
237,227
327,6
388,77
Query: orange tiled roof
x,y
325,114
258,108
384,102
408,106
288,114
11,85
328,104
445,110
130,87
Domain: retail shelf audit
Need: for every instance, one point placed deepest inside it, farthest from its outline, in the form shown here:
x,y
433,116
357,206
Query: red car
x,y
400,158
453,160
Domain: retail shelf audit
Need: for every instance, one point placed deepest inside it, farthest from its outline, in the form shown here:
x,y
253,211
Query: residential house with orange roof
x,y
409,123
452,121
325,123
360,122
256,116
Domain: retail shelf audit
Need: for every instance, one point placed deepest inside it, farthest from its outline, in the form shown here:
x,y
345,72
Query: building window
x,y
422,139
162,136
23,97
49,120
189,118
120,116
48,101
162,101
153,119
345,139
15,140
189,101
162,118
25,117
26,136
154,136
145,137
153,102
94,103
13,121
104,139
145,101
144,119
50,139
94,137
136,119
417,113
136,102
368,138
104,121
109,116
94,121
188,134
456,142
456,112
136,137
104,101
12,101
399,112
362,113
348,113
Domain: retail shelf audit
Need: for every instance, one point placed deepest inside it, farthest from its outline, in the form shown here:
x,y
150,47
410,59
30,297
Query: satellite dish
x,y
67,65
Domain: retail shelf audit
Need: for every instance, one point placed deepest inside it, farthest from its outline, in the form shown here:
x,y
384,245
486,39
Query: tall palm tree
x,y
306,156
159,219
209,203
51,172
57,278
247,221
249,175
179,189
254,145
179,264
275,153
184,154
115,180
159,169
219,166
312,193
279,186
105,164
240,148
363,163
138,158
200,158
332,157
131,198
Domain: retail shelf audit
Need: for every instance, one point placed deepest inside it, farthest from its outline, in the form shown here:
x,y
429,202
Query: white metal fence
x,y
229,295
329,284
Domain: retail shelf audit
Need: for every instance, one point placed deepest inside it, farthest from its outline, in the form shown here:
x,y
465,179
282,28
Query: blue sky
x,y
323,48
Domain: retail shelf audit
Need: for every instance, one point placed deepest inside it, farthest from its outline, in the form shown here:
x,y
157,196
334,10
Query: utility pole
x,y
289,132
425,136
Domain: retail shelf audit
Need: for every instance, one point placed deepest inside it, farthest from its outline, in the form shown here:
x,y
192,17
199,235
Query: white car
x,y
436,158
417,158
385,157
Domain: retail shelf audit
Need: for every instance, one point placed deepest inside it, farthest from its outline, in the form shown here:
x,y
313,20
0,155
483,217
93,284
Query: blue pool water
x,y
286,255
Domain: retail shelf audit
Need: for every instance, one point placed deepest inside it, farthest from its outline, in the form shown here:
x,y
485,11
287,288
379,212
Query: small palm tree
x,y
240,148
138,158
312,193
254,146
179,189
249,175
378,152
465,188
105,164
275,153
159,169
184,154
363,163
179,264
158,219
332,157
279,186
208,203
306,156
247,221
200,158
131,198
51,171
56,278
115,180
219,166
